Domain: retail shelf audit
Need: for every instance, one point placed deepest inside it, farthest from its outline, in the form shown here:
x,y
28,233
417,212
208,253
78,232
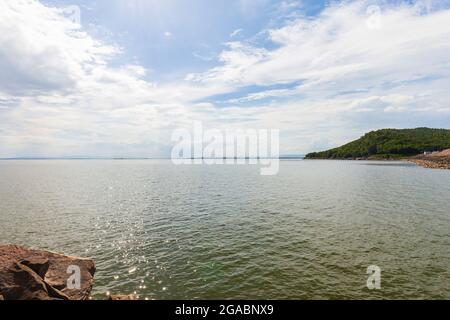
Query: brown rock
x,y
37,264
34,274
28,285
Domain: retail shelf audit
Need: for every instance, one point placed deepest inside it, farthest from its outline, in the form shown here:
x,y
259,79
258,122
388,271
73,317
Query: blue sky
x,y
174,37
120,79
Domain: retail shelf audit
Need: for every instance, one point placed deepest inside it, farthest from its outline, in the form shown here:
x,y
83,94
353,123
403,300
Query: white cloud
x,y
263,95
59,95
346,69
204,57
235,33
338,46
42,50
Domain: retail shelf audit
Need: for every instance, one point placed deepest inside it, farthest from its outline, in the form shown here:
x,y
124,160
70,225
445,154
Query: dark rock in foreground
x,y
27,274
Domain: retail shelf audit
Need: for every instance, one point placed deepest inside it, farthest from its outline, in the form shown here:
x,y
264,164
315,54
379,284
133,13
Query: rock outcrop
x,y
27,274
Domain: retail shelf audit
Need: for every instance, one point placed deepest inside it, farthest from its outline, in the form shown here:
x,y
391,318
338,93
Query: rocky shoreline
x,y
436,160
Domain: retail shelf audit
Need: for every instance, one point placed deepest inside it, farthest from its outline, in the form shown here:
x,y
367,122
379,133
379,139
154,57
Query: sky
x,y
113,78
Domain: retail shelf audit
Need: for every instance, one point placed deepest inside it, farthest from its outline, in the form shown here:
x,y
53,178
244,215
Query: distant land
x,y
389,144
292,156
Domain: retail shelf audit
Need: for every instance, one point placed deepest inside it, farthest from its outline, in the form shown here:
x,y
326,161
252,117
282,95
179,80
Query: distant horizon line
x,y
288,156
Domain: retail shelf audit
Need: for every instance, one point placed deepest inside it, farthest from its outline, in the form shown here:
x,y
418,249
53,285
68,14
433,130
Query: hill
x,y
389,143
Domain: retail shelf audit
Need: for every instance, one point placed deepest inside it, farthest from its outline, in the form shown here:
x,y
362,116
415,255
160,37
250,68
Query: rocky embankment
x,y
27,274
436,160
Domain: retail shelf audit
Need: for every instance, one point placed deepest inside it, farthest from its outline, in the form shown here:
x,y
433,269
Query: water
x,y
223,232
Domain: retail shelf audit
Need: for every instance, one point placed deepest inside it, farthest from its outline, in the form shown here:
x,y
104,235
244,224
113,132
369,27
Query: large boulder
x,y
27,274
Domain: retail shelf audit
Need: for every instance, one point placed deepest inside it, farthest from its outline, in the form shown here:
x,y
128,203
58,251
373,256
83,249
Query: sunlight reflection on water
x,y
212,232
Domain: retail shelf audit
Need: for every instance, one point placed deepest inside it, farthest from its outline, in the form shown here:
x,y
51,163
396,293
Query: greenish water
x,y
226,232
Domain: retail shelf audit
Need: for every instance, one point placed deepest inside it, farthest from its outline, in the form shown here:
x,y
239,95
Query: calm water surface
x,y
222,232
